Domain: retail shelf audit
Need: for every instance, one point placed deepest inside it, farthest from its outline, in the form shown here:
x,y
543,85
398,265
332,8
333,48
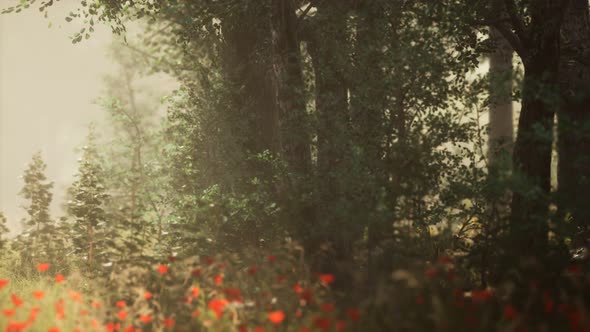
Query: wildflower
x,y
322,323
162,269
259,329
59,278
340,325
297,288
510,312
122,315
95,304
276,317
353,314
146,319
33,314
217,306
252,270
43,267
121,304
38,294
304,329
327,307
147,295
208,260
431,272
326,279
3,282
53,329
168,322
8,312
83,313
218,279
16,300
281,278
481,296
195,291
271,258
233,294
196,272
75,296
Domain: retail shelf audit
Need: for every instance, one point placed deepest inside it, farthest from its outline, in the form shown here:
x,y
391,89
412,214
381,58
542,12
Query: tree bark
x,y
574,115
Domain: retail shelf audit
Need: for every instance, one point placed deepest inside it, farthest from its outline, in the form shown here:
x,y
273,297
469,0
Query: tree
x,y
90,229
3,232
36,242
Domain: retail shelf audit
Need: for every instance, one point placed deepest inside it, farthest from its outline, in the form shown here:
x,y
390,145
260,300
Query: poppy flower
x,y
272,258
43,267
297,288
16,300
53,329
252,270
353,314
33,314
95,304
146,319
480,296
259,329
75,296
83,313
38,294
168,322
3,282
304,329
217,306
327,307
195,291
121,304
59,278
326,279
276,317
208,260
322,323
196,272
510,312
431,272
147,295
218,279
162,269
281,278
8,312
233,294
340,325
122,315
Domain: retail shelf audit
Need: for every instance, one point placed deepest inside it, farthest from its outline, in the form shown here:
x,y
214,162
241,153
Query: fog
x,y
47,89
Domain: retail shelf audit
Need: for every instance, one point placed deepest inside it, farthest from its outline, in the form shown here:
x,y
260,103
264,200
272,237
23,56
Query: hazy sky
x,y
47,86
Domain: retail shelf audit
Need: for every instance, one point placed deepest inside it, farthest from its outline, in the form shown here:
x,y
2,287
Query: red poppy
x,y
196,272
169,322
510,312
8,312
16,300
233,294
43,267
75,296
95,304
53,329
218,279
3,282
162,269
83,313
252,270
217,306
147,295
146,319
276,317
322,323
304,329
122,315
281,278
208,260
340,326
353,313
431,272
121,304
195,291
59,278
480,296
272,258
297,288
33,314
38,294
327,307
259,329
326,279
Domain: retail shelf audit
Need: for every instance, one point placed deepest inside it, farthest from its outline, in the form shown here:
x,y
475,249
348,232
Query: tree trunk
x,y
532,150
501,113
574,115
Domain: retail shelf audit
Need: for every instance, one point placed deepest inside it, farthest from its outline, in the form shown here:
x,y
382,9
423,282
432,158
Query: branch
x,y
517,23
512,39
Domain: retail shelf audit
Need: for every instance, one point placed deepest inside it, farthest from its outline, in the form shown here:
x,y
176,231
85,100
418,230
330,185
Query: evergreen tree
x,y
36,241
3,232
87,206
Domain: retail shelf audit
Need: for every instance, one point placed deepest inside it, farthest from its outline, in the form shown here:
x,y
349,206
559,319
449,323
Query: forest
x,y
323,165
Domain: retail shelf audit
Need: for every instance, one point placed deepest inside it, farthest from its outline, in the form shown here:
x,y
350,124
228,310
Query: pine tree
x,y
39,229
87,206
3,232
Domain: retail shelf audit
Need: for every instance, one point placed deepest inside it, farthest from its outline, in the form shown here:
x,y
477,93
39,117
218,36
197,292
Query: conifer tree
x,y
3,232
38,227
87,206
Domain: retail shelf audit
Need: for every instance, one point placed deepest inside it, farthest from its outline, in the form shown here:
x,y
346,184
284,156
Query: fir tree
x,y
3,232
87,206
39,229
